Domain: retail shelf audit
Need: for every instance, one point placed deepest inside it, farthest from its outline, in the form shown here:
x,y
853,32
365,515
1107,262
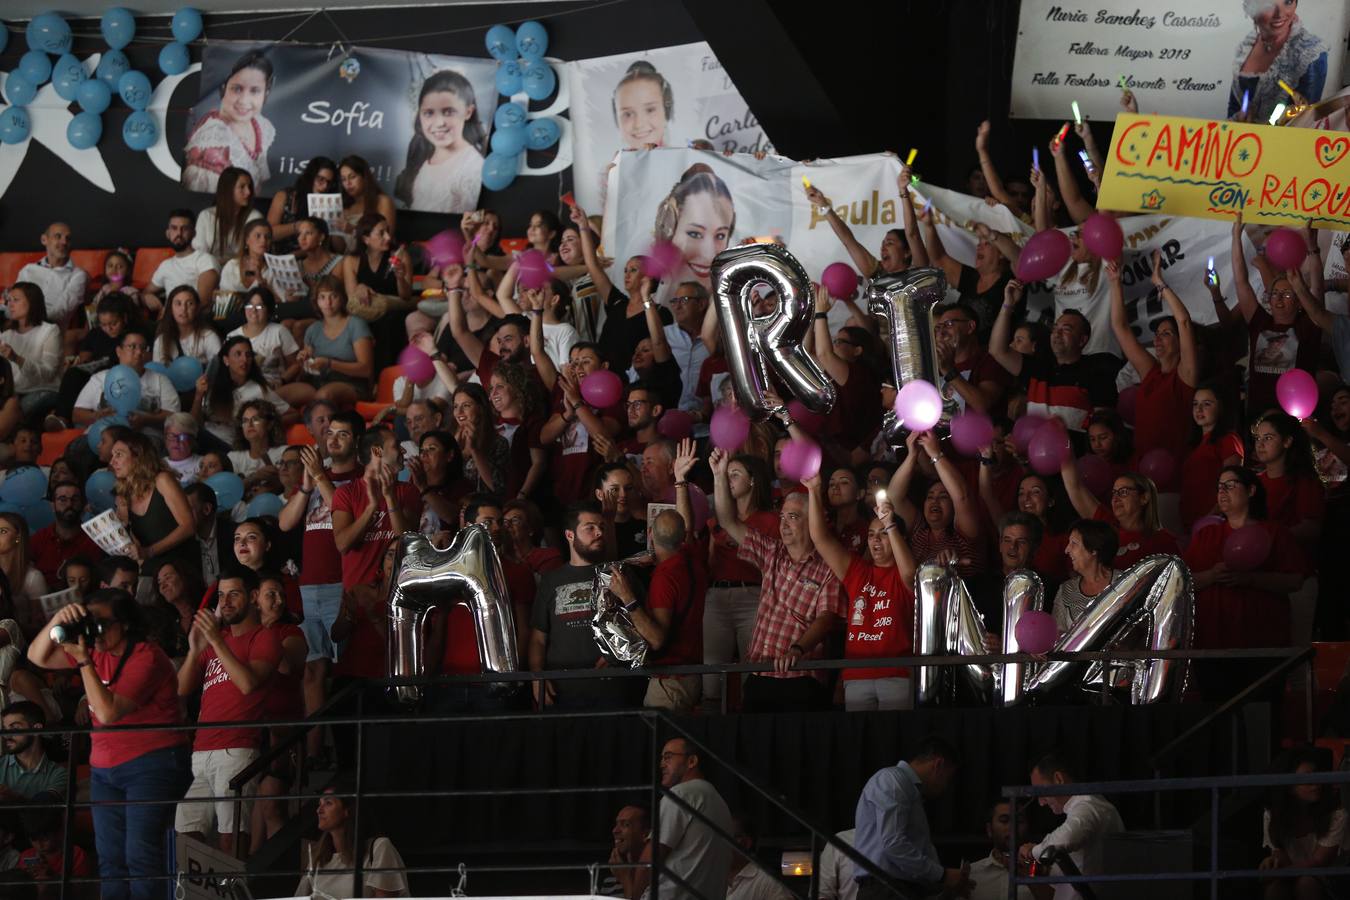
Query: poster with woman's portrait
x,y
669,97
420,121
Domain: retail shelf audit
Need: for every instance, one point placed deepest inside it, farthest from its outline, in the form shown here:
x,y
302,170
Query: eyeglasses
x,y
1283,295
180,438
953,323
256,307
1123,492
679,300
253,420
1226,486
668,755
635,404
289,463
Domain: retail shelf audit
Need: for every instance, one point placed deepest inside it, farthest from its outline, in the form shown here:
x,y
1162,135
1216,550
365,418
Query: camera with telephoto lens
x,y
87,627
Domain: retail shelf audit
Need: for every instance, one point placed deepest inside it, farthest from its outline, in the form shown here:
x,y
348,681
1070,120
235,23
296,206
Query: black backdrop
x,y
864,77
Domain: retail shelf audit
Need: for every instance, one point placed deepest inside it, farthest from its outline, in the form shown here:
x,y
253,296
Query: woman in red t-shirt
x,y
1109,440
949,520
128,680
733,585
518,420
1294,495
1036,496
1133,514
1240,608
284,701
1214,443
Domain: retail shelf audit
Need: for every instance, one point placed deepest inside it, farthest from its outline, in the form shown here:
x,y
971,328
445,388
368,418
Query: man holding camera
x,y
230,659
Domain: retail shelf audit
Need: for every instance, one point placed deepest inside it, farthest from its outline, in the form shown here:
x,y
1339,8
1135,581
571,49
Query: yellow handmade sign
x,y
1214,170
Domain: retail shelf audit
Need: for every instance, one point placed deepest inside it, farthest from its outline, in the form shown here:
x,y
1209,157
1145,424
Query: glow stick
x,y
806,182
1087,160
1077,116
928,206
1277,113
913,152
1287,89
1246,98
1121,83
1063,132
881,496
1036,158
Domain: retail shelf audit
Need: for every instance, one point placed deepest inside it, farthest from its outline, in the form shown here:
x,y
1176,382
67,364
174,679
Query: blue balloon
x,y
229,489
509,114
118,27
508,141
264,505
173,58
99,490
158,367
65,89
84,130
509,78
531,40
184,372
542,133
140,131
19,90
122,389
501,43
36,66
49,33
23,486
539,80
67,75
15,126
38,515
94,433
111,68
186,25
499,171
94,95
134,89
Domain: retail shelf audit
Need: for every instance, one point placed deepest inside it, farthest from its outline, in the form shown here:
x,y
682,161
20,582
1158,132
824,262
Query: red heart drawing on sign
x,y
1325,147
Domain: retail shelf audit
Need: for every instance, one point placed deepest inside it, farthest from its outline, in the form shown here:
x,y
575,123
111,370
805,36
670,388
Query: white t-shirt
x,y
183,270
435,389
204,344
697,854
250,390
382,855
40,348
558,341
63,287
185,469
205,238
451,186
272,345
245,465
157,395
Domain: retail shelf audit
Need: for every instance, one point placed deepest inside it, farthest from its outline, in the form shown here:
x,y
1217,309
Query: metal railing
x,y
657,721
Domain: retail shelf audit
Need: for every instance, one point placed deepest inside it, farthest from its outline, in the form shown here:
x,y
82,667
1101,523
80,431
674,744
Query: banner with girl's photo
x,y
670,97
1183,59
420,120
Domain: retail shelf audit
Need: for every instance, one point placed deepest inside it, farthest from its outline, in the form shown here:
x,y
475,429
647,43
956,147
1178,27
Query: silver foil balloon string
x,y
1023,591
467,572
1150,606
613,628
757,347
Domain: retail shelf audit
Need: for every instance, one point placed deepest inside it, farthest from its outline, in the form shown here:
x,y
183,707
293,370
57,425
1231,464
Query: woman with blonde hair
x,y
1132,512
697,216
161,521
26,582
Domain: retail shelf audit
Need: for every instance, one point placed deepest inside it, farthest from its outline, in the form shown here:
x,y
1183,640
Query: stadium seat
x,y
384,389
92,261
371,411
54,444
298,434
147,261
12,263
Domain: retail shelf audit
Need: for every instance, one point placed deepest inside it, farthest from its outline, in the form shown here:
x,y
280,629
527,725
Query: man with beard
x,y
231,658
25,770
321,575
50,547
194,268
644,410
561,636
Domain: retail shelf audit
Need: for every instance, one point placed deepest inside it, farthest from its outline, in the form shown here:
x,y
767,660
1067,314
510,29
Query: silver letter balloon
x,y
467,572
906,302
757,347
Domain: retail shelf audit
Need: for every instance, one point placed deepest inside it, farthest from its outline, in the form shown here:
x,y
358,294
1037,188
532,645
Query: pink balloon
x,y
533,269
800,459
697,499
446,248
810,422
661,259
1126,403
919,406
1297,392
840,280
1204,522
1247,547
676,424
1286,249
729,428
1024,429
971,431
1036,632
1044,255
1049,448
1102,235
1096,474
1158,464
601,389
416,365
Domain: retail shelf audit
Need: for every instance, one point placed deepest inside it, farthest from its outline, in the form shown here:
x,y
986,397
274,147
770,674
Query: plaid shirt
x,y
792,596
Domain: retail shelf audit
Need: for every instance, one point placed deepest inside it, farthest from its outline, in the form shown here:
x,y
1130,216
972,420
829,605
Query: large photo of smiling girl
x,y
444,169
235,133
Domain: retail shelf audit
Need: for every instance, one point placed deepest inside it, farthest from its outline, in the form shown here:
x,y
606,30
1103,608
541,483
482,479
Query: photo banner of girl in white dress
x,y
669,97
420,120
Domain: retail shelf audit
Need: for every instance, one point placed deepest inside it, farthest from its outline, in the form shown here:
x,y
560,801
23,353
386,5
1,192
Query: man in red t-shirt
x,y
230,659
671,621
880,602
50,547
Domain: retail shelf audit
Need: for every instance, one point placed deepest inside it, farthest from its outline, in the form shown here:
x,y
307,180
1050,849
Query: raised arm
x,y
1084,503
937,254
988,494
1189,366
991,176
469,342
1134,351
918,253
1078,207
1040,200
543,363
904,556
655,330
1311,302
710,333
1316,274
822,535
898,490
834,367
1000,339
861,256
685,457
603,285
723,502
1246,297
967,513
1084,132
1002,242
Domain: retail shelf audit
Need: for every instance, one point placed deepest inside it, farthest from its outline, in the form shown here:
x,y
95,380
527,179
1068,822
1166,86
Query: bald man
x,y
671,619
63,283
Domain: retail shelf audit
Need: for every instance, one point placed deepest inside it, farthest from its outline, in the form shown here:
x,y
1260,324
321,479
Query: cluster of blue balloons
x,y
522,69
229,489
49,35
24,493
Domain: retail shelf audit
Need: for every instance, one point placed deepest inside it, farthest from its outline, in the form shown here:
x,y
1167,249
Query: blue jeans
x,y
130,839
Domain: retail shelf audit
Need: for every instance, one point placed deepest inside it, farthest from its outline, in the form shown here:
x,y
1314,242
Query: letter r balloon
x,y
770,346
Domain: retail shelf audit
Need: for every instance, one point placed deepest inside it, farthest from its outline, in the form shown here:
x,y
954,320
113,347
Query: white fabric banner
x,y
1181,59
669,97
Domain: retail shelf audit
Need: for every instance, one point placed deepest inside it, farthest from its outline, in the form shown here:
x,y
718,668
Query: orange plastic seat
x,y
92,261
370,411
54,444
299,434
12,263
147,261
384,388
